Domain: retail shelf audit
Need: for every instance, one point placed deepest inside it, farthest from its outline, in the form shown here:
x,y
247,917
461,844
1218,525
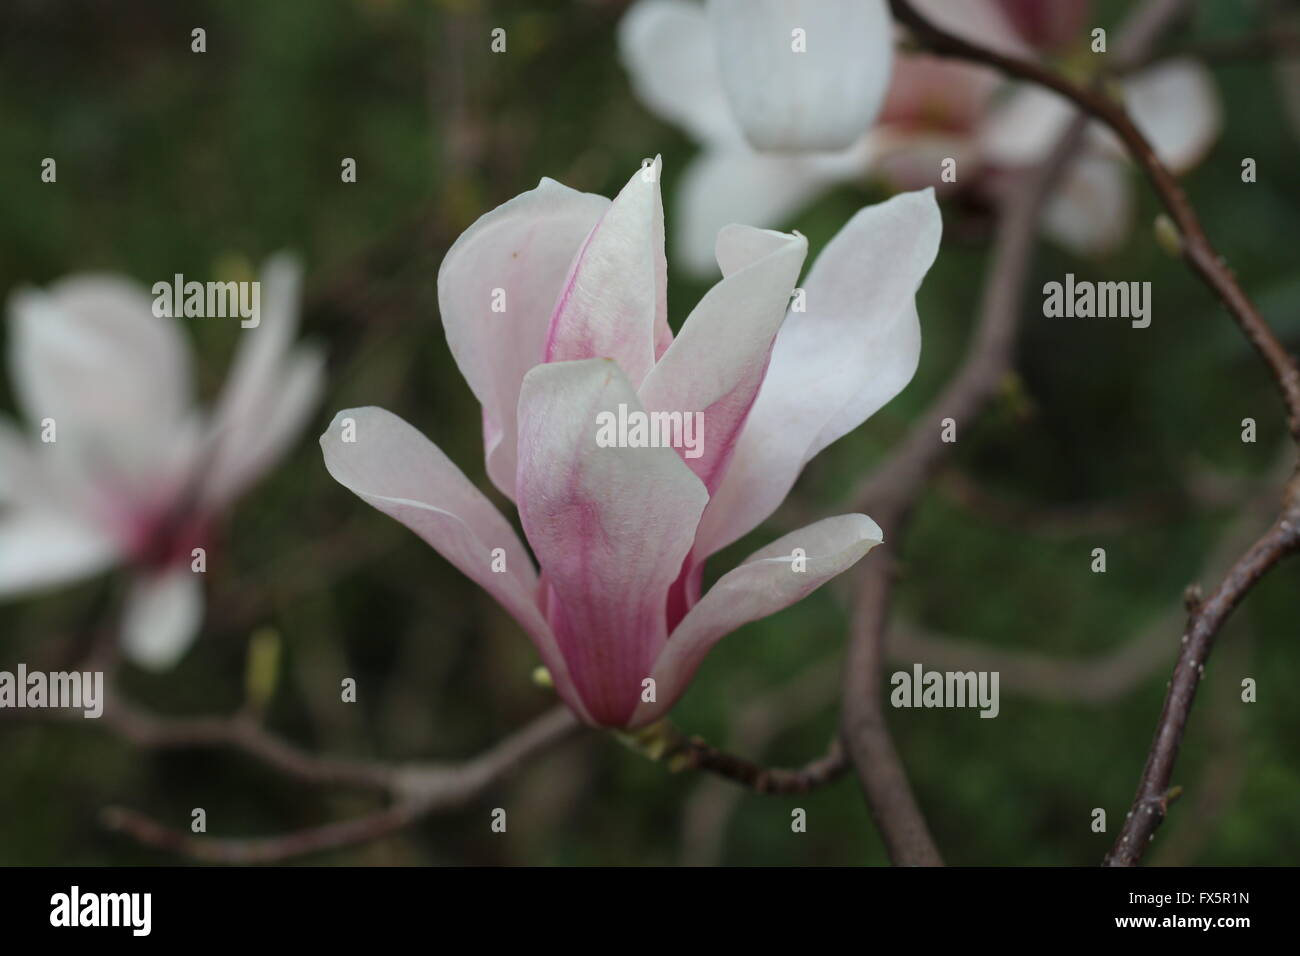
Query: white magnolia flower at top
x,y
777,130
802,75
137,474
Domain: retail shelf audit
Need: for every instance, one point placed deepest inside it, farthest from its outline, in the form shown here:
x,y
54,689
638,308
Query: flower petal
x,y
91,355
271,390
726,185
614,303
1022,129
391,466
41,548
803,74
1093,210
667,48
1174,104
163,614
765,583
716,364
497,288
54,481
20,476
852,350
1177,107
610,526
930,95
931,114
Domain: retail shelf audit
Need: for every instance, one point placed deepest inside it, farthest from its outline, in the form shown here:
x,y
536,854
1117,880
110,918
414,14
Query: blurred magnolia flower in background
x,y
136,474
687,66
787,96
555,309
1174,105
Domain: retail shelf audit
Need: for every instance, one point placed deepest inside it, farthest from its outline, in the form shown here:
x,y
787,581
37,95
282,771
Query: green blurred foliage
x,y
170,161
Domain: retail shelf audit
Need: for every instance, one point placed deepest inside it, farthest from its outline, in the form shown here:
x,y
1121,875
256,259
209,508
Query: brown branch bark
x,y
697,754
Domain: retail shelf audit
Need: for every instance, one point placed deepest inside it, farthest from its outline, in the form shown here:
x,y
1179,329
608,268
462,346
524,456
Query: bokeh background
x,y
170,161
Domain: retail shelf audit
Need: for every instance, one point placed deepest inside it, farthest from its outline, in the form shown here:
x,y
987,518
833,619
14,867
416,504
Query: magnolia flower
x,y
555,309
732,77
802,74
1173,103
682,67
120,466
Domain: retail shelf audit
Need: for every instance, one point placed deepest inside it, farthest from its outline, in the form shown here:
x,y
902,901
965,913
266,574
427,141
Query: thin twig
x,y
241,733
273,849
696,754
416,791
706,814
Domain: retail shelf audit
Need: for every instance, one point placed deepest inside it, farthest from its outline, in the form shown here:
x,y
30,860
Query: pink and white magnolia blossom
x,y
136,474
684,70
621,534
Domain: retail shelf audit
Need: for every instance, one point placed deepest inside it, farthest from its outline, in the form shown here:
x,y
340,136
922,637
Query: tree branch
x,y
893,489
1196,248
694,753
1207,617
1283,538
272,849
243,734
416,791
705,815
